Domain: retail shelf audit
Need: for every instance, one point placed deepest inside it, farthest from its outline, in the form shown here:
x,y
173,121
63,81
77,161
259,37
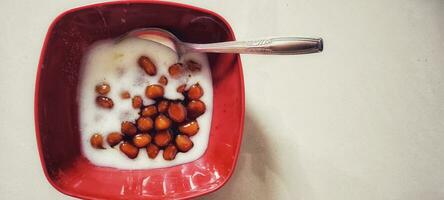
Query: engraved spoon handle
x,y
279,46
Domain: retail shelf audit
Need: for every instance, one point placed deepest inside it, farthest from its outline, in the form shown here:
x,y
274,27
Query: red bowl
x,y
56,107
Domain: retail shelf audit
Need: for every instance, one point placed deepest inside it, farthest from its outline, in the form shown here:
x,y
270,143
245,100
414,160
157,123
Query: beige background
x,y
362,120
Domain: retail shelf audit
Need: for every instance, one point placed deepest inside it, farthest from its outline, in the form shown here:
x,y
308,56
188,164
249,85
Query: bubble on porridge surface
x,y
120,71
97,118
118,56
124,115
141,80
105,62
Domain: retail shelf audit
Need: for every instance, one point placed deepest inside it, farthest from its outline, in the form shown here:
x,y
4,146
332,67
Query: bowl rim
x,y
160,2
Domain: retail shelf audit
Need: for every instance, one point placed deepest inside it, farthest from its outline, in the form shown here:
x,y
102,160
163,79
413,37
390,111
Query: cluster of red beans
x,y
166,124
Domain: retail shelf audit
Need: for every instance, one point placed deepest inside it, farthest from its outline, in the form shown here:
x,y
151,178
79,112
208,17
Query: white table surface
x,y
362,120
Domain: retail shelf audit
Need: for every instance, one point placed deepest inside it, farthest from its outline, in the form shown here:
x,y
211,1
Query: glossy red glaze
x,y
56,109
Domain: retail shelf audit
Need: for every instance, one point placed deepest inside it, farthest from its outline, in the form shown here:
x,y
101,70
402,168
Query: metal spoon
x,y
277,45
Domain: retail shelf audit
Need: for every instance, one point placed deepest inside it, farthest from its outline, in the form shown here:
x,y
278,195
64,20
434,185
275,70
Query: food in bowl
x,y
142,106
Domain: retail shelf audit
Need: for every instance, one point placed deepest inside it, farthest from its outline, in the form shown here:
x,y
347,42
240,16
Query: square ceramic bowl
x,y
56,108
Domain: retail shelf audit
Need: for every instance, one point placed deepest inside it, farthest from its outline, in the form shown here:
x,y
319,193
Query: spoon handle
x,y
278,45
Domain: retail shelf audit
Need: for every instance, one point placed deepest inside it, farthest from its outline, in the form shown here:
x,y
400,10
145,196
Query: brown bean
x,y
193,66
181,88
177,112
162,106
141,140
144,124
152,150
154,91
114,138
125,95
183,143
163,80
162,122
195,108
129,150
162,138
169,153
190,128
195,92
104,102
103,88
137,102
128,128
149,111
176,70
148,66
96,141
